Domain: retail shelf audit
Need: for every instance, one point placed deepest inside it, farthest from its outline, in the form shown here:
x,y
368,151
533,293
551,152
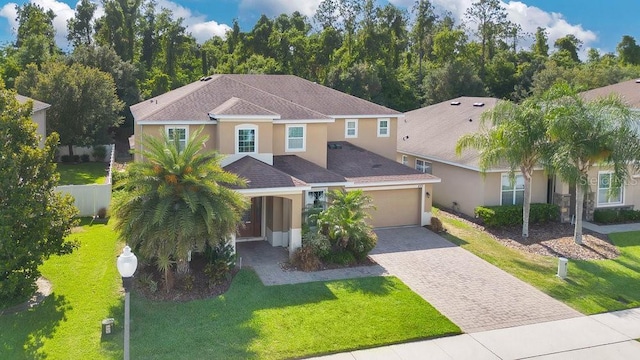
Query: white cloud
x,y
276,7
201,29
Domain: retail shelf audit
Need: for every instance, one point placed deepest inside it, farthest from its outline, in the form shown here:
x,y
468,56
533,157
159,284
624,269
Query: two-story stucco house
x,y
293,140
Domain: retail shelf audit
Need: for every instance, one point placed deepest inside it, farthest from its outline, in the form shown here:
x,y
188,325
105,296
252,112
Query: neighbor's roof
x,y
37,105
260,175
628,90
305,170
290,97
433,131
362,166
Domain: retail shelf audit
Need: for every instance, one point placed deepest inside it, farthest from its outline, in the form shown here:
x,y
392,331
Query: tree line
x,y
403,59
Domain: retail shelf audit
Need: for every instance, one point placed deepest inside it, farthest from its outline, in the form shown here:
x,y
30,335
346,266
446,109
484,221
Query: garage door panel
x,y
395,207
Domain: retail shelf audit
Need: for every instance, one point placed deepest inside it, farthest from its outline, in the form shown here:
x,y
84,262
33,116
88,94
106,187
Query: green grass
x,y
250,321
67,324
82,174
591,286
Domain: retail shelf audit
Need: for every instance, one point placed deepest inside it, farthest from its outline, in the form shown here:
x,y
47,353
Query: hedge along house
x,y
427,140
293,140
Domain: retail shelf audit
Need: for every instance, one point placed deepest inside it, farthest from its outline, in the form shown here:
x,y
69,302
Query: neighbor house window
x,y
609,189
383,127
512,193
405,160
296,138
246,139
316,199
423,166
351,128
178,132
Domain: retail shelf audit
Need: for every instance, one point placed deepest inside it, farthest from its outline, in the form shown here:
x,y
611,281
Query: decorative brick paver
x,y
472,293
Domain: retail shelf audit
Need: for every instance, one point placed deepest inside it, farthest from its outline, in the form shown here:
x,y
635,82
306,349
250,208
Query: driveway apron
x,y
474,294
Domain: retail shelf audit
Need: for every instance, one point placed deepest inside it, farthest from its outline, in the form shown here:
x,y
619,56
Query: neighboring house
x,y
293,140
427,140
39,115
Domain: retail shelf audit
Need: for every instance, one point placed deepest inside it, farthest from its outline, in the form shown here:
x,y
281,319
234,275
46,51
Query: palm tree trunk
x,y
526,206
182,267
577,233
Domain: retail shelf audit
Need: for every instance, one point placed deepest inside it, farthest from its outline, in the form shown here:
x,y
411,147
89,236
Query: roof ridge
x,y
273,95
238,100
271,166
210,81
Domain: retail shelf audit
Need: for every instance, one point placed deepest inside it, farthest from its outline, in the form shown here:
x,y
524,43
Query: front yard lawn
x,y
249,321
82,174
591,287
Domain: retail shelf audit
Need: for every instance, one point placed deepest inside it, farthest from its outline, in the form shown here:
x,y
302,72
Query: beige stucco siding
x,y
395,207
315,147
40,118
367,136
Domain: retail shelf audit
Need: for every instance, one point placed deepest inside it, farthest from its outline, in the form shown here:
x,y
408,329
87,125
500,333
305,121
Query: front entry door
x,y
252,220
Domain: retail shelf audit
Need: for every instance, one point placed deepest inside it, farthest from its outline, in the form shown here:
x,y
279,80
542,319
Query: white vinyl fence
x,y
91,198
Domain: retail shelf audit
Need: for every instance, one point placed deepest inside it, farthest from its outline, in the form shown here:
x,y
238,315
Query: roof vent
x,y
455,103
207,78
470,120
478,104
376,166
334,146
637,81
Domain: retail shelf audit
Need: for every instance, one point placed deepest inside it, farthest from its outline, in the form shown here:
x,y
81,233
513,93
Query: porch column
x,y
295,234
425,203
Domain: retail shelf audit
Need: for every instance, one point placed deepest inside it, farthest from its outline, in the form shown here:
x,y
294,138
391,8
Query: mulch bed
x,y
551,239
199,284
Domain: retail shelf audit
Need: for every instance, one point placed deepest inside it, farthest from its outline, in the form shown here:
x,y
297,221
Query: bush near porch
x,y
506,215
616,216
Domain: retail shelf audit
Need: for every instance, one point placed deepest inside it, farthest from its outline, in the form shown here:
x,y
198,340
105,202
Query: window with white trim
x,y
383,127
181,132
246,139
423,166
296,138
316,199
609,189
405,160
512,193
351,128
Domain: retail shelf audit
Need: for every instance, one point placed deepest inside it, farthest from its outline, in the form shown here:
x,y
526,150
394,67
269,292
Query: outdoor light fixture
x,y
127,264
428,195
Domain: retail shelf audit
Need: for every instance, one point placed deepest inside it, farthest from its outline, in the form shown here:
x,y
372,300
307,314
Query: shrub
x,y
510,215
117,176
147,281
341,257
319,243
306,259
99,152
436,225
66,158
85,158
102,213
75,158
360,246
221,260
615,216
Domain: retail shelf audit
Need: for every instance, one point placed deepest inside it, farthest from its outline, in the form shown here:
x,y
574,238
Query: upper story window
x,y
609,189
405,160
512,193
423,166
246,139
351,128
383,127
181,132
296,138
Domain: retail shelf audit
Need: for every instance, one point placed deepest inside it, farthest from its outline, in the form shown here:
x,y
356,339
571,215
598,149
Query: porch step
x,y
248,239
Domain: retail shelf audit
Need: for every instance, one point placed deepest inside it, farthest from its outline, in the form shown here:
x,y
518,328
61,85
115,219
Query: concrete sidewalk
x,y
597,337
608,229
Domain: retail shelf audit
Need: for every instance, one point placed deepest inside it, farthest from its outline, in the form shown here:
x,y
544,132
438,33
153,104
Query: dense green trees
x,y
400,58
34,219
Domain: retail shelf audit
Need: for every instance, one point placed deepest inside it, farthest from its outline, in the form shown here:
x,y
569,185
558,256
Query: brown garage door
x,y
395,207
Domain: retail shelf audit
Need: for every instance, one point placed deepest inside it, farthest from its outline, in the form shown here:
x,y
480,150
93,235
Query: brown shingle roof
x,y
37,105
236,106
433,131
362,166
628,90
260,175
305,170
289,96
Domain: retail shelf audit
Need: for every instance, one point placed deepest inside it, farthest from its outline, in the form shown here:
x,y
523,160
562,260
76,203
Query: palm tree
x,y
346,217
177,200
512,135
588,133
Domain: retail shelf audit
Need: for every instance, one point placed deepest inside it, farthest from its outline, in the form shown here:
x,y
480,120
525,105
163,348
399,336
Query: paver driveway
x,y
474,294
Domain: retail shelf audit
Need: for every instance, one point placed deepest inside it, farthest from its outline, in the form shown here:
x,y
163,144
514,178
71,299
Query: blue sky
x,y
599,24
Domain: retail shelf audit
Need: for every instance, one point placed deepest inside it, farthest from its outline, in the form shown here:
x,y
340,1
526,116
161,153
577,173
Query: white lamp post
x,y
127,264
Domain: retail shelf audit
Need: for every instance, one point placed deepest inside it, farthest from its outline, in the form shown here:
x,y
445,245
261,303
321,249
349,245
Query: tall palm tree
x,y
177,200
587,133
511,135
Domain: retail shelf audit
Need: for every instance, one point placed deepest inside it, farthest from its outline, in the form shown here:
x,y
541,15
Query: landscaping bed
x,y
550,239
